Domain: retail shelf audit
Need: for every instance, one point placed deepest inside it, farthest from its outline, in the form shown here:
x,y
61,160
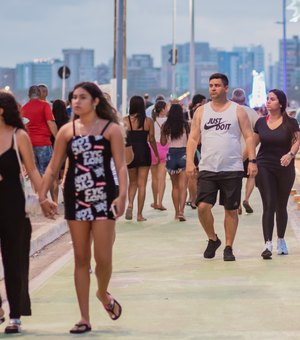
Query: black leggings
x,y
274,186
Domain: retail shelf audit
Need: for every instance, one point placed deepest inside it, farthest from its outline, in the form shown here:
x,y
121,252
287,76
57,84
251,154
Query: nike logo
x,y
216,123
207,127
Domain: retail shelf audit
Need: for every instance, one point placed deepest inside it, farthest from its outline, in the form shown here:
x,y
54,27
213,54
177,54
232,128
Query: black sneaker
x,y
266,254
228,254
211,248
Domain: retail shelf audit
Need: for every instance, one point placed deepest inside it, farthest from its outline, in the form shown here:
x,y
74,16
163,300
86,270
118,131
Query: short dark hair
x,y
159,97
221,76
34,90
197,99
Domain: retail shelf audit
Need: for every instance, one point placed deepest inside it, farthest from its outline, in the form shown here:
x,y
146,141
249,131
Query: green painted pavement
x,y
168,291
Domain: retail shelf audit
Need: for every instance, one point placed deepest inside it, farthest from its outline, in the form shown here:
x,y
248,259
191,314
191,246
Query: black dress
x,y
140,147
15,234
89,186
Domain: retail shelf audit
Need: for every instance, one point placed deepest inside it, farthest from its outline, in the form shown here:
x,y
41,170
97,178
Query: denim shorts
x,y
42,157
176,160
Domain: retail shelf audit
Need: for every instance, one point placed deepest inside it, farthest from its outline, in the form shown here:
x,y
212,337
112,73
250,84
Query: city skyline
x,y
65,24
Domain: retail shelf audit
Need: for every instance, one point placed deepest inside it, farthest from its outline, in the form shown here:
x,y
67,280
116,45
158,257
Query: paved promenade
x,y
169,291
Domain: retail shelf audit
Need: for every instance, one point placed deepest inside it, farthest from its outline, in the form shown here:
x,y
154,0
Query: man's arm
x,y
52,127
247,133
194,137
50,119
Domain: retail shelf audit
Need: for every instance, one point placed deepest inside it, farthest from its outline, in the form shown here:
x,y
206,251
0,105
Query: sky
x,y
42,28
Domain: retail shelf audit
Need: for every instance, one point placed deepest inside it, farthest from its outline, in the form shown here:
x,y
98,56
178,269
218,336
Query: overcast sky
x,y
42,28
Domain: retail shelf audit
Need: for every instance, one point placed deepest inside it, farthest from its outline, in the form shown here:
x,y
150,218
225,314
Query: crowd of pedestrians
x,y
101,159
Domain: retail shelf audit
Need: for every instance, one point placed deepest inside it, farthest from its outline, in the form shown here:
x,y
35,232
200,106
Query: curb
x,y
44,232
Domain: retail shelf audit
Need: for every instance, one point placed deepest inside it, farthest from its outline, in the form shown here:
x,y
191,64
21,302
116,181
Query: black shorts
x,y
229,183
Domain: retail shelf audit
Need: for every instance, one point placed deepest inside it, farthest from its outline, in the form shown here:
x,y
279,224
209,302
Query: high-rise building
x,y
292,60
258,58
273,81
7,77
81,64
203,63
141,74
237,64
38,71
103,74
228,63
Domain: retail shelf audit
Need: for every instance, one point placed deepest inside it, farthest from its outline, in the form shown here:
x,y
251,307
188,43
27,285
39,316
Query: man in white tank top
x,y
220,124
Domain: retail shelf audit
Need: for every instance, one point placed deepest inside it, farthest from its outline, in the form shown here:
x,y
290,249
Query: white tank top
x,y
157,127
221,140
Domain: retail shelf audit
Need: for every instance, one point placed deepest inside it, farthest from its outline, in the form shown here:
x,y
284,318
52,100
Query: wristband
x,y
43,201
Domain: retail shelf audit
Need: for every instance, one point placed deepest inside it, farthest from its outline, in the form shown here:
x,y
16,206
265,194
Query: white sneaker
x,y
267,253
281,247
269,245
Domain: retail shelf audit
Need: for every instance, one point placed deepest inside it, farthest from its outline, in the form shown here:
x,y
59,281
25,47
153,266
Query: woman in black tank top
x,y
15,226
140,130
91,204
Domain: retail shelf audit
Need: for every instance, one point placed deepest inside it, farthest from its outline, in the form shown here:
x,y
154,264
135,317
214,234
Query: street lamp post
x,y
174,51
284,65
119,51
192,49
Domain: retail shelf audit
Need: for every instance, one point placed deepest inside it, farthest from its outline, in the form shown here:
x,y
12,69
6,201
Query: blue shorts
x,y
42,157
176,160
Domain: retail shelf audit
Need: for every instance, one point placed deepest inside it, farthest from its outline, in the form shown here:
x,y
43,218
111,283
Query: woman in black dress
x,y
91,204
140,131
15,227
278,135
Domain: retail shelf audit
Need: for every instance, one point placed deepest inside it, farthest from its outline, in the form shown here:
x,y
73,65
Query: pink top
x,y
178,143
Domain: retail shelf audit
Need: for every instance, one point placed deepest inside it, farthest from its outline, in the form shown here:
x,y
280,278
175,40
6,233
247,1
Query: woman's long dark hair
x,y
158,107
11,114
103,110
175,124
60,113
137,108
287,121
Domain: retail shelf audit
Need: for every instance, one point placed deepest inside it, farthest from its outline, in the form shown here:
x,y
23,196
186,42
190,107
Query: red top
x,y
38,112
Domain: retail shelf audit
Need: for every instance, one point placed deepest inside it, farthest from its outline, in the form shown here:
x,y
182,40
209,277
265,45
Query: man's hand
x,y
190,169
252,169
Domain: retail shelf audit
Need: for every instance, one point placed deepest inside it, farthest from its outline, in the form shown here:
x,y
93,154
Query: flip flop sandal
x,y
110,308
247,207
161,208
181,218
128,215
80,328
